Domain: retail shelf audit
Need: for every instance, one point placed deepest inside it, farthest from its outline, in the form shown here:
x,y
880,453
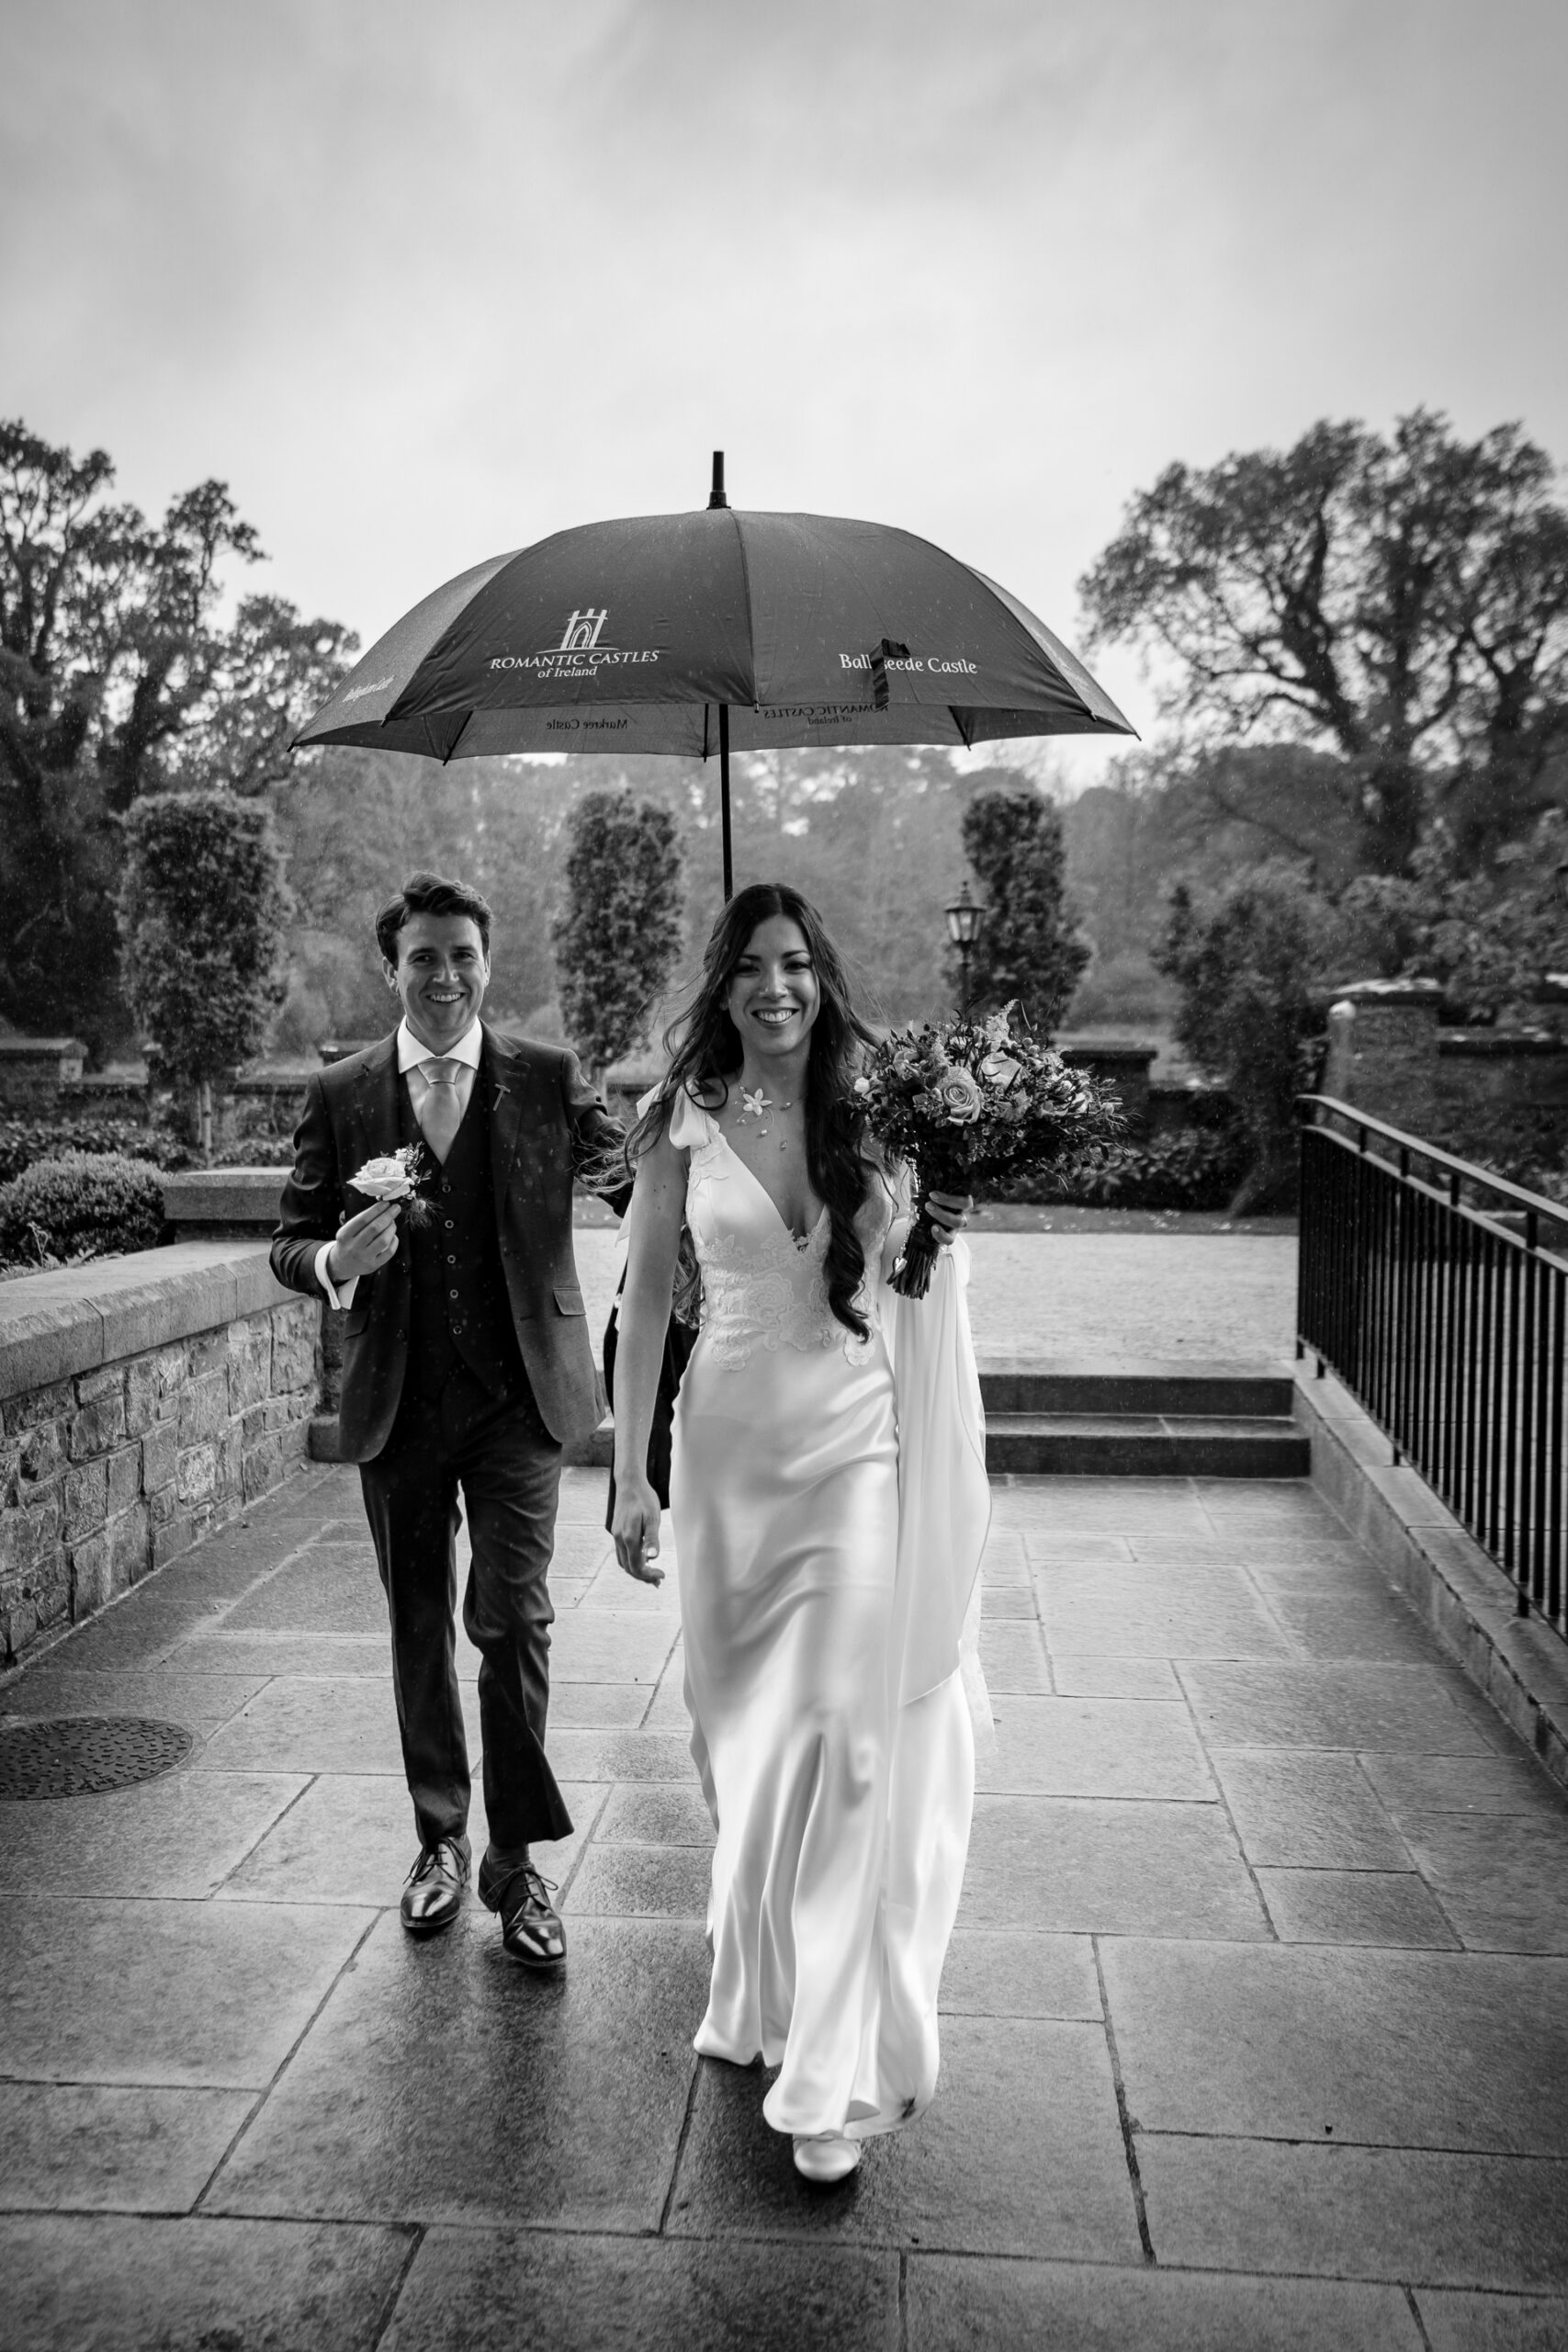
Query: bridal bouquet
x,y
963,1103
397,1176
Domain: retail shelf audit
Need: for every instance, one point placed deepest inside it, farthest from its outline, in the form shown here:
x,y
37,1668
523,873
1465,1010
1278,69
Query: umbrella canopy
x,y
694,633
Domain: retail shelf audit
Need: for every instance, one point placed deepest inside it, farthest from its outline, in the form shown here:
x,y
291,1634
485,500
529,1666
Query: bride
x,y
829,1506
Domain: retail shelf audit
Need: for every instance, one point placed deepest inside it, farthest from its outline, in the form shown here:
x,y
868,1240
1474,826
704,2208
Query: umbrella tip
x,y
716,495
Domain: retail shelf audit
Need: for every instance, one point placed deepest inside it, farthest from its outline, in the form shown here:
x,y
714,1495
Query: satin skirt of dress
x,y
842,1821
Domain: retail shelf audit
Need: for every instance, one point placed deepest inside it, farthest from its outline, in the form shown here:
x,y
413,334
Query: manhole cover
x,y
74,1755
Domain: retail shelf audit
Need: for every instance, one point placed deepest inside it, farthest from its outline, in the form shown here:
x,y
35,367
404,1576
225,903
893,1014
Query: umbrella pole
x,y
723,796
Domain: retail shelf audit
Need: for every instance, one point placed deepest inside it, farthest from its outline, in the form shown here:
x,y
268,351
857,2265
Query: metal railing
x,y
1438,1294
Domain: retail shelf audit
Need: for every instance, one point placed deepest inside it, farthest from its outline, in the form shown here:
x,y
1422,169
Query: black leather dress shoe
x,y
434,1894
530,1926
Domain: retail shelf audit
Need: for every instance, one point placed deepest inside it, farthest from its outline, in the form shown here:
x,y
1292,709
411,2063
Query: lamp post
x,y
966,917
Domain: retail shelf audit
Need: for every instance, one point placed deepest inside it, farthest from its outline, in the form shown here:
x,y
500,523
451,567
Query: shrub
x,y
1247,962
1199,1167
24,1141
1524,1144
262,1133
83,1205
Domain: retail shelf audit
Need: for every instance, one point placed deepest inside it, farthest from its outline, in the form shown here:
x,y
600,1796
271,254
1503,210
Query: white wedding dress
x,y
830,1506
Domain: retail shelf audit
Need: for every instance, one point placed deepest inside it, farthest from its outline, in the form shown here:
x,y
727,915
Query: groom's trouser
x,y
508,1466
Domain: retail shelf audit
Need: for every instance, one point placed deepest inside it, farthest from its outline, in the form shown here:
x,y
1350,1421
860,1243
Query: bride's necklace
x,y
758,1105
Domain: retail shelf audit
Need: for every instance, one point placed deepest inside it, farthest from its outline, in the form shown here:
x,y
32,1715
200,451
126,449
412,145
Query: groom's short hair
x,y
430,894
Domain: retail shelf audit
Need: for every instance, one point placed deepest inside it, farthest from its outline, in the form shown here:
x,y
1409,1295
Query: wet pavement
x,y
1256,2028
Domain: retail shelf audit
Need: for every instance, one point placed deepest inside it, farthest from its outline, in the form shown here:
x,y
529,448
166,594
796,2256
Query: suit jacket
x,y
546,1122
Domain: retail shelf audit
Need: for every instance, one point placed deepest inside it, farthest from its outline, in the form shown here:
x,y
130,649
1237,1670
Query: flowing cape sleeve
x,y
944,1497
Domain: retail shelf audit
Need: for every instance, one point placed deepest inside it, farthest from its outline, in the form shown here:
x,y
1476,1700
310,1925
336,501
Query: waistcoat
x,y
459,1311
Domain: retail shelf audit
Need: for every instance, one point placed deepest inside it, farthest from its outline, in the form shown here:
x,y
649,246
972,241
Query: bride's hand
x,y
636,1529
949,1213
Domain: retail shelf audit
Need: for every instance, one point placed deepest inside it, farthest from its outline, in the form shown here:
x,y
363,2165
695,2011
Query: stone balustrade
x,y
143,1401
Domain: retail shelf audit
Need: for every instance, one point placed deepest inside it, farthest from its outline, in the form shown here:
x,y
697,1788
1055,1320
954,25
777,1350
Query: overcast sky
x,y
424,282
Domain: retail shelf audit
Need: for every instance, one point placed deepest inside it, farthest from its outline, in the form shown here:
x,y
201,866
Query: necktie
x,y
441,1113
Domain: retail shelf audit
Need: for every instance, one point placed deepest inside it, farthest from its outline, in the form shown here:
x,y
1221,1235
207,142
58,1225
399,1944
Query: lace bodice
x,y
762,1288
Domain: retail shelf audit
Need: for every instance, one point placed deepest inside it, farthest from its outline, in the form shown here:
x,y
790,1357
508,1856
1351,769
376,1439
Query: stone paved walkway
x,y
1257,2018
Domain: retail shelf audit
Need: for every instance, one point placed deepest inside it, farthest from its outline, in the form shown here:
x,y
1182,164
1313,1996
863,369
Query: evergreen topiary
x,y
202,909
1028,947
621,931
83,1205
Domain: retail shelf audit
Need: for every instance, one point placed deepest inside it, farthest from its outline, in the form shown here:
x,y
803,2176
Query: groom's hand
x,y
365,1243
636,1529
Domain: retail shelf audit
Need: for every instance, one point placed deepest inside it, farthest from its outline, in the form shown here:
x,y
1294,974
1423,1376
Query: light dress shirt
x,y
411,1054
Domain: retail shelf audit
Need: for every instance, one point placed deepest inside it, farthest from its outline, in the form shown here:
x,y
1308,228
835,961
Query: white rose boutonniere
x,y
397,1176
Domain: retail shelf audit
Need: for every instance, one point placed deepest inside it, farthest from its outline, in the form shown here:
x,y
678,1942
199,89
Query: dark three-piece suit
x,y
467,1362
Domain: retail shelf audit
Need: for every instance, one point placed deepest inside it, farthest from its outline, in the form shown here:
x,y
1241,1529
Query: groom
x,y
466,1364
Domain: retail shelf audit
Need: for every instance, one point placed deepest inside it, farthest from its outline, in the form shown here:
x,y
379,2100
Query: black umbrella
x,y
710,632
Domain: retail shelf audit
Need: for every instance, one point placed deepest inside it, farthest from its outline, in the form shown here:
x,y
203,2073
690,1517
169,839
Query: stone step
x,y
1146,1445
1106,1445
1059,1418
1211,1391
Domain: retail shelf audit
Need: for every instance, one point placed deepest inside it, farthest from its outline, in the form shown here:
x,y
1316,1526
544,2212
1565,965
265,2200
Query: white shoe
x,y
826,2157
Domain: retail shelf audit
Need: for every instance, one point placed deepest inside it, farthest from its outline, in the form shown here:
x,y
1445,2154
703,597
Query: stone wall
x,y
143,1401
1388,1055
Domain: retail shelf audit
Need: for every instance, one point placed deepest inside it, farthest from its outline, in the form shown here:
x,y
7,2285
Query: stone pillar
x,y
33,1069
1382,1051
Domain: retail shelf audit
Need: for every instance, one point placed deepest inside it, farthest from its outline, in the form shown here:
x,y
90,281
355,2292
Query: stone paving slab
x,y
1092,1867
138,2149
1139,1611
1398,2213
1501,1878
180,1835
1391,1910
1020,1975
442,2083
1409,2049
1416,1709
1460,2322
194,2286
494,2291
164,1991
1249,1859
319,1727
200,1700
1470,1784
349,1839
1096,1748
1302,1810
1101,2310
1040,2090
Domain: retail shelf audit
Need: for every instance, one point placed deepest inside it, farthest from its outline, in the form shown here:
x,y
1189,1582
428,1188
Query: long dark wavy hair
x,y
705,1051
